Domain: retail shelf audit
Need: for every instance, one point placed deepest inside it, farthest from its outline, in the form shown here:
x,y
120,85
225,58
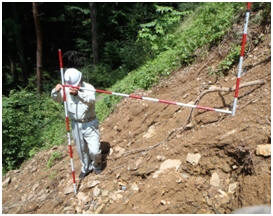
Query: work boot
x,y
97,171
82,175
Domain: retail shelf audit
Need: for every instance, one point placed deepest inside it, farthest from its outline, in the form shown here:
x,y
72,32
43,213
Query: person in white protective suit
x,y
85,126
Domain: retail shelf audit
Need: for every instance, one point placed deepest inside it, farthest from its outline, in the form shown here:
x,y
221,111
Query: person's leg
x,y
81,147
92,137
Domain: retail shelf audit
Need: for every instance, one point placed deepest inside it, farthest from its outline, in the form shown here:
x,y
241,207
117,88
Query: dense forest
x,y
122,46
106,39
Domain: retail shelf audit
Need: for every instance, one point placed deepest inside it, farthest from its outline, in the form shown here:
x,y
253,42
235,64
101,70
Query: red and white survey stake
x,y
151,99
242,53
67,123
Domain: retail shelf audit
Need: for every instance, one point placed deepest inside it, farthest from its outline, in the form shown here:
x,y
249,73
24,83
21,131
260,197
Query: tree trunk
x,y
39,46
93,16
20,48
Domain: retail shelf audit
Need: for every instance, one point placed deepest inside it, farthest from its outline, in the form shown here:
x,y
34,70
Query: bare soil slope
x,y
157,164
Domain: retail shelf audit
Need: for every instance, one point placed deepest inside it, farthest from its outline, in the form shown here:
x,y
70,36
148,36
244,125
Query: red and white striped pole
x,y
67,123
242,53
152,99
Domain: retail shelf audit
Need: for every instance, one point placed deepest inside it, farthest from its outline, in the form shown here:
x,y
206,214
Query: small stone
x,y
168,164
92,184
116,196
185,175
34,169
135,187
105,193
134,166
6,182
69,210
69,189
83,197
185,96
35,186
193,158
96,192
264,150
232,187
160,158
163,202
119,151
224,198
226,168
234,167
123,187
150,133
215,180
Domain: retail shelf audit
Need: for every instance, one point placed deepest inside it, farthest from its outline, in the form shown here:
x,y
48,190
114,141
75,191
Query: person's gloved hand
x,y
58,87
73,91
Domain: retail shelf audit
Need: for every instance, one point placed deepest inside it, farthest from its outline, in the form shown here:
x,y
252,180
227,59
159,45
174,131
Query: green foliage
x,y
226,64
152,33
55,156
207,26
29,122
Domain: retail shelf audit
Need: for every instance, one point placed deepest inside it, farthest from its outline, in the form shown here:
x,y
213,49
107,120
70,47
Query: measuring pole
x,y
242,53
67,123
151,99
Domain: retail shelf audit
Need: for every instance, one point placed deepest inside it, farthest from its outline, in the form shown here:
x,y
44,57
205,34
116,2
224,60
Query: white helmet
x,y
72,76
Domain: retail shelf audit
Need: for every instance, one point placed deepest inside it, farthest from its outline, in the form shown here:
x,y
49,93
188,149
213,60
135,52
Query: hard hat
x,y
72,76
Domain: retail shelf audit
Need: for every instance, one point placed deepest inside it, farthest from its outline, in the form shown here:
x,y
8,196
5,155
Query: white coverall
x,y
85,126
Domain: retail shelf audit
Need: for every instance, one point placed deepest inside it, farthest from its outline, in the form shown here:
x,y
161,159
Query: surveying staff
x,y
85,126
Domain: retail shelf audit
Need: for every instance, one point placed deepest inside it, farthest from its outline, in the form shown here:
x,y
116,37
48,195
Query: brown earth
x,y
144,137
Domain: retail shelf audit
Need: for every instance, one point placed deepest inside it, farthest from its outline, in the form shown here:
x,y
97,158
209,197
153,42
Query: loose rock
x,y
83,197
119,151
134,187
167,165
193,158
215,180
96,192
232,187
69,189
150,133
264,150
92,184
6,182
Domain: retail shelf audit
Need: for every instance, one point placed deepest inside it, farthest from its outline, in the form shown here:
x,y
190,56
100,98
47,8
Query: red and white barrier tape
x,y
242,53
67,124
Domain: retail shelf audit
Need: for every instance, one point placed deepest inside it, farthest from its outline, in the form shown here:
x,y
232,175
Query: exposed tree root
x,y
220,89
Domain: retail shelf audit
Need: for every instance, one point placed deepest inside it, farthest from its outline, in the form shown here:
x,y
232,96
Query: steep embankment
x,y
213,165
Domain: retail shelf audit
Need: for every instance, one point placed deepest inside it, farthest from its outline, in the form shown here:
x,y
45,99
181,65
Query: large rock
x,y
264,150
168,164
193,158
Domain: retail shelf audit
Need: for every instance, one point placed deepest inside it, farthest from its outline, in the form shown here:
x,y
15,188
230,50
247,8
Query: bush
x,y
30,122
